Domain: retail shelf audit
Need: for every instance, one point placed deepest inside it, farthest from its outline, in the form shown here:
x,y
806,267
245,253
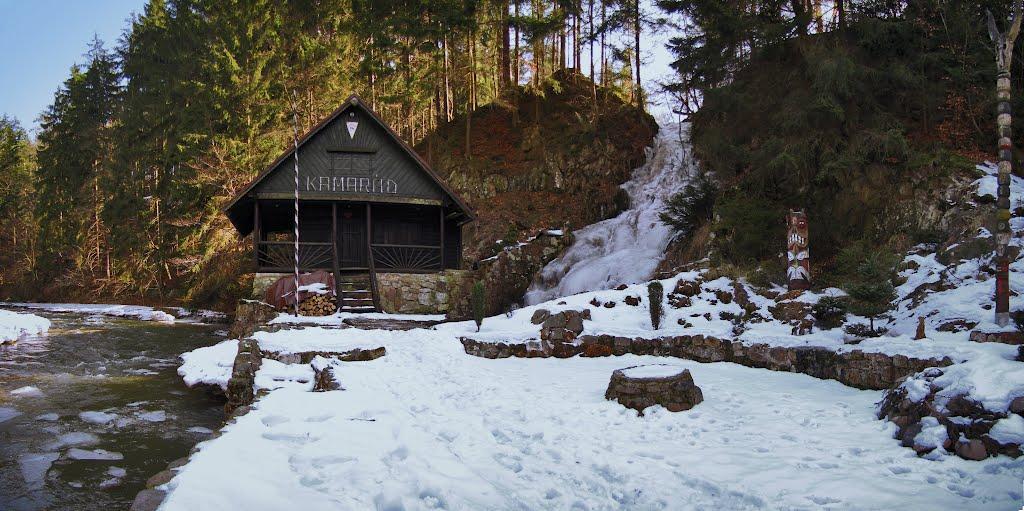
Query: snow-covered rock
x,y
210,365
14,326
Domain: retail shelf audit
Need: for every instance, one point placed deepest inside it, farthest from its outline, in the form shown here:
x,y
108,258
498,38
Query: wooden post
x,y
1004,59
441,216
334,252
369,256
256,233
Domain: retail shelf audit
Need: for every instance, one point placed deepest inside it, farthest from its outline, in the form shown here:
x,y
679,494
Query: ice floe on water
x,y
7,413
97,417
34,466
154,416
93,455
75,438
27,391
48,417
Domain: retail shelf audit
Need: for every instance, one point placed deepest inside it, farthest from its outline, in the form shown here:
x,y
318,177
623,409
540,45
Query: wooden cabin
x,y
370,210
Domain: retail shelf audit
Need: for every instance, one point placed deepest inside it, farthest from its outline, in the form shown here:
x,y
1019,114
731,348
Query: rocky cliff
x,y
541,159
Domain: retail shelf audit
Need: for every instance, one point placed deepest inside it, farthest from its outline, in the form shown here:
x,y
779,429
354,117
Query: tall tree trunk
x,y
819,19
604,61
448,107
1004,60
590,38
561,40
515,58
636,56
504,66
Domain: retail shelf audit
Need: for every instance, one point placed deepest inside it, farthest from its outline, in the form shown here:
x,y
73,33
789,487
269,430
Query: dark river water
x,y
94,408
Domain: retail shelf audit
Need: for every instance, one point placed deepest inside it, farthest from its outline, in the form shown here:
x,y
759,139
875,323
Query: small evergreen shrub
x,y
655,295
829,312
691,208
862,330
871,291
477,302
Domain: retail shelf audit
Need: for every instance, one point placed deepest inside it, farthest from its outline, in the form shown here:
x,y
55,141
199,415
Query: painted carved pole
x,y
1004,57
798,271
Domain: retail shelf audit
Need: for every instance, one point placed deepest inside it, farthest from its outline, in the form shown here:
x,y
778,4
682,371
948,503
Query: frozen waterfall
x,y
625,249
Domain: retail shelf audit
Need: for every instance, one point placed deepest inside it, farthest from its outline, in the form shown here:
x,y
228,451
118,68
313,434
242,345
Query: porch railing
x,y
406,257
278,256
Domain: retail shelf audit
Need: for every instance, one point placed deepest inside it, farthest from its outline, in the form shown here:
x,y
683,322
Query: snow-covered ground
x,y
14,326
428,427
626,248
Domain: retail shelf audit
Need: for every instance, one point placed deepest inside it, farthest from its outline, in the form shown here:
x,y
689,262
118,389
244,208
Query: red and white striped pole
x,y
295,140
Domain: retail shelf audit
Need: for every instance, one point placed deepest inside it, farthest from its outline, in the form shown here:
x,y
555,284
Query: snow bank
x,y
338,318
428,427
125,311
316,339
14,326
210,365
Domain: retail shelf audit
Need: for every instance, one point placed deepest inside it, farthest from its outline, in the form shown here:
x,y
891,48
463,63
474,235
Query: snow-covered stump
x,y
640,387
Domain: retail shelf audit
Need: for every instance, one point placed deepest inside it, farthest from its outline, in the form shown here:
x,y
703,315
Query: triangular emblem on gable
x,y
352,126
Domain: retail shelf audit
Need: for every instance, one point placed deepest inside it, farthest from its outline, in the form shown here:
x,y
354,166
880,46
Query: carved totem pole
x,y
1004,57
798,273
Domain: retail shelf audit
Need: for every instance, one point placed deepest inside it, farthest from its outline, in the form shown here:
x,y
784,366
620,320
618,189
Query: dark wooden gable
x,y
368,164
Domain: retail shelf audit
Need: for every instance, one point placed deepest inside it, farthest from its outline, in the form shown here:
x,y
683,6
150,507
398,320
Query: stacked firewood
x,y
318,305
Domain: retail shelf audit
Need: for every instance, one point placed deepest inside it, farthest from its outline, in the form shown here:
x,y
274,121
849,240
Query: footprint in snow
x,y
823,501
273,420
290,438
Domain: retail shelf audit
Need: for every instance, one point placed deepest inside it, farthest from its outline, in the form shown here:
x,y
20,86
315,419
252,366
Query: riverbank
x,y
91,410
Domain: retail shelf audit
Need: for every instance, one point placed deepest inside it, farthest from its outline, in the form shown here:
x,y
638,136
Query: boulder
x,y
640,387
148,500
564,326
1014,337
687,288
790,311
972,450
539,316
1017,405
632,301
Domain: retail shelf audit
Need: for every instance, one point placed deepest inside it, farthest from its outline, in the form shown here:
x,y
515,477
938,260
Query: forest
x,y
119,194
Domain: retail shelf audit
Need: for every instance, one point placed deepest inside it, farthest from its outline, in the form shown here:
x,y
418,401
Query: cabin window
x,y
350,164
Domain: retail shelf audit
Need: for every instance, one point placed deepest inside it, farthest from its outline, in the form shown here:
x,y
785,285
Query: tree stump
x,y
639,387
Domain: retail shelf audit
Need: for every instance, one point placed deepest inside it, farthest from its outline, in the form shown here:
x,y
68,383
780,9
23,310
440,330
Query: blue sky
x,y
41,39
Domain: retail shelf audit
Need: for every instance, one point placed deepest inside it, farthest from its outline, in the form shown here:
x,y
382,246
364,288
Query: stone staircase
x,y
355,292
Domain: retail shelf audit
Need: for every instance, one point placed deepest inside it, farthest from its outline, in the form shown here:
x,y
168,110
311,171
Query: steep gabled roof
x,y
353,101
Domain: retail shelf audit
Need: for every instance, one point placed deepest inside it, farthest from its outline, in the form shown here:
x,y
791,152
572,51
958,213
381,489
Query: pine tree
x,y
871,292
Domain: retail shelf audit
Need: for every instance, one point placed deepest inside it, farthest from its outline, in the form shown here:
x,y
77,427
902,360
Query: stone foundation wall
x,y
262,281
445,292
875,371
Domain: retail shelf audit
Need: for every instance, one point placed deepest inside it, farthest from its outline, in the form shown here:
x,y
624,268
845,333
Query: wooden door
x,y
352,236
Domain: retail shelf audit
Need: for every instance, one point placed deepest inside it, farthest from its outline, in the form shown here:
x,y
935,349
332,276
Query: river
x,y
94,408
